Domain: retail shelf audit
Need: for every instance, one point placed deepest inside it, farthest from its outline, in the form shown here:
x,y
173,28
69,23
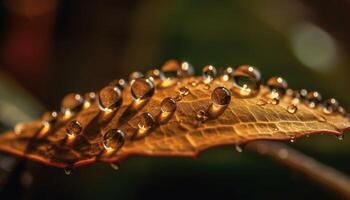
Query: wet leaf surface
x,y
181,117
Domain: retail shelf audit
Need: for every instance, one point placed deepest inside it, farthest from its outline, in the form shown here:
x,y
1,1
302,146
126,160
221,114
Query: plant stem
x,y
314,170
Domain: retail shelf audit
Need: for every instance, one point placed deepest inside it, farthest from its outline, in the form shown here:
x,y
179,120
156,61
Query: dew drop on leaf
x,y
261,102
171,68
155,74
221,96
120,83
330,106
274,101
340,137
313,98
109,98
209,73
49,118
168,105
146,121
201,115
321,118
71,103
246,81
184,91
186,69
292,108
227,74
73,128
113,139
89,98
142,88
277,86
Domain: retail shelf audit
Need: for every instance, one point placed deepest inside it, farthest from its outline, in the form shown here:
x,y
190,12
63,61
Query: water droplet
x,y
120,83
239,149
168,105
135,75
49,118
109,98
89,98
114,166
261,102
113,139
19,128
73,128
247,80
186,69
277,86
184,91
171,68
194,83
221,96
341,110
313,98
177,98
201,116
330,106
302,94
227,74
146,121
67,170
274,101
209,73
71,103
292,140
155,74
321,119
340,137
142,88
292,108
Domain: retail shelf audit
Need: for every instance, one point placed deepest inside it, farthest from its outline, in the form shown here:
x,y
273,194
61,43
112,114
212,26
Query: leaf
x,y
78,136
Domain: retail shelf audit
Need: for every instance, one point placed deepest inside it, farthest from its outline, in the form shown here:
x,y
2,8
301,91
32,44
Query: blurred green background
x,y
51,47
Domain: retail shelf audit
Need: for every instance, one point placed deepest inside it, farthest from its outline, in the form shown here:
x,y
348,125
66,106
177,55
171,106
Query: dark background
x,y
50,47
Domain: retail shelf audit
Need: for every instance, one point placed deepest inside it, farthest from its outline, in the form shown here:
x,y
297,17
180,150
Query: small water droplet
x,y
186,69
261,102
184,91
313,98
67,170
227,74
146,121
109,98
114,166
168,105
302,94
239,149
171,68
221,96
292,140
277,86
330,106
292,108
89,98
321,118
194,83
142,88
155,74
274,101
177,98
340,137
120,83
247,80
201,115
113,139
135,75
73,128
49,118
209,73
71,103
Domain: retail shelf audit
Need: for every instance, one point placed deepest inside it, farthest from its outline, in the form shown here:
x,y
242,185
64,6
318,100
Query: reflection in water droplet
x,y
67,171
168,105
277,86
184,91
292,108
146,122
239,149
49,118
135,75
227,74
274,101
73,128
209,73
155,74
201,116
71,103
89,98
330,106
109,98
114,166
120,83
246,82
221,96
142,88
261,102
313,98
113,139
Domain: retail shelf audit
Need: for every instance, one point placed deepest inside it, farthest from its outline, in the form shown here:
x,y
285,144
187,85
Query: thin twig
x,y
309,167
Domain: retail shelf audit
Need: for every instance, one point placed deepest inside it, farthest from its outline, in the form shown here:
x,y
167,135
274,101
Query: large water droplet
x,y
247,80
142,88
49,118
330,106
120,83
221,96
168,105
146,122
209,73
313,98
155,74
73,128
109,98
277,86
113,139
184,91
135,75
292,108
71,103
